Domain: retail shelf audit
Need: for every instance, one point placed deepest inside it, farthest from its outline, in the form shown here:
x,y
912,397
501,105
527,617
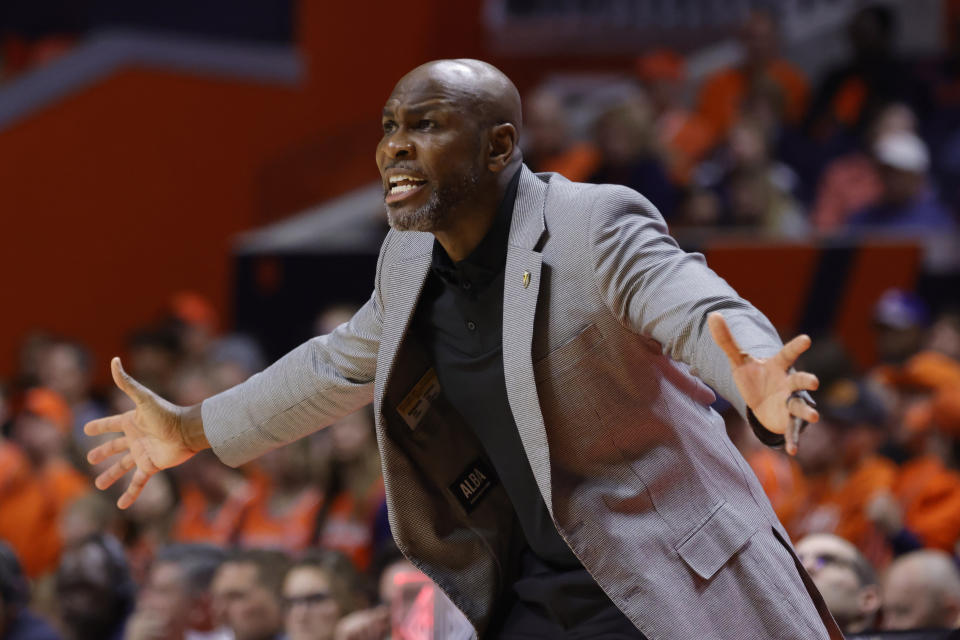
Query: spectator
x,y
762,69
851,94
94,590
233,359
944,334
624,133
685,135
756,191
17,622
843,470
29,522
907,200
283,510
900,319
845,579
853,182
921,590
355,489
924,509
213,501
154,354
548,144
247,594
175,603
39,491
65,367
43,431
195,323
317,594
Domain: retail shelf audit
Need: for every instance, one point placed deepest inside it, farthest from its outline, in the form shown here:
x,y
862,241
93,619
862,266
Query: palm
x,y
153,435
768,385
151,438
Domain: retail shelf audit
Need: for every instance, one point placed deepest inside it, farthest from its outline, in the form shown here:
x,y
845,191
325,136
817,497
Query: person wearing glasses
x,y
845,578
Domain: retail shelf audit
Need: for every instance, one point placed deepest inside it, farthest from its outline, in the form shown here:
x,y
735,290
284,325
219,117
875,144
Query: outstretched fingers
x,y
112,424
724,339
116,471
102,452
791,351
137,483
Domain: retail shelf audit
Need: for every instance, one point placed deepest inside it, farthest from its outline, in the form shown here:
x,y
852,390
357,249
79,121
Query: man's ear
x,y
502,146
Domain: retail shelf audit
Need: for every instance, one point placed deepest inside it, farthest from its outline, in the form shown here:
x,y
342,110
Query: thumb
x,y
724,338
136,391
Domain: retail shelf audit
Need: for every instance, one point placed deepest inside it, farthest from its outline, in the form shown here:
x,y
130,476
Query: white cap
x,y
902,150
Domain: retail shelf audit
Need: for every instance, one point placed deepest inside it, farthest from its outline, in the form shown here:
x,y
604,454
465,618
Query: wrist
x,y
191,429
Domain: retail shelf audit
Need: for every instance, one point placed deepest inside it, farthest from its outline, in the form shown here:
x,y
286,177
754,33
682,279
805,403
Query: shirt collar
x,y
489,257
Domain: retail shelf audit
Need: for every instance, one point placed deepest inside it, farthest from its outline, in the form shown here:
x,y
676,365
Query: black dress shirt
x,y
459,320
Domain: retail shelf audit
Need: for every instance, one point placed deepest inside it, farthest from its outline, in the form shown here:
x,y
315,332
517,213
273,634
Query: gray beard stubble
x,y
431,215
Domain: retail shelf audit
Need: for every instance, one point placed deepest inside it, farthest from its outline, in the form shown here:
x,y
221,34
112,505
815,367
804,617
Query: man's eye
x,y
425,124
389,126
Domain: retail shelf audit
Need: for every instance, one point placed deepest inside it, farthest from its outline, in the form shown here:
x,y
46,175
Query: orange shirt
x,y
198,520
576,164
840,507
348,527
686,137
290,530
723,93
783,482
64,483
28,514
930,496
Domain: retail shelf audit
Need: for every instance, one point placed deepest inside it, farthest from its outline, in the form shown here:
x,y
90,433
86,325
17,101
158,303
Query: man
x,y
845,578
94,591
247,594
921,590
907,201
536,422
175,603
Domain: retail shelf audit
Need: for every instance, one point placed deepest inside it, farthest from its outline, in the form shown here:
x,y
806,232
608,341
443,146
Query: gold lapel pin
x,y
526,279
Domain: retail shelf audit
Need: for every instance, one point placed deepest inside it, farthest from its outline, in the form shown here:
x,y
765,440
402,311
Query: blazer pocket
x,y
568,354
713,543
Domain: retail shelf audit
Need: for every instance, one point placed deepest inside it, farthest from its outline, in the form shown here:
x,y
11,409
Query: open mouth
x,y
403,186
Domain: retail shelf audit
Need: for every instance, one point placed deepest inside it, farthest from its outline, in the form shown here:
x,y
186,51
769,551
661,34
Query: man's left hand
x,y
767,385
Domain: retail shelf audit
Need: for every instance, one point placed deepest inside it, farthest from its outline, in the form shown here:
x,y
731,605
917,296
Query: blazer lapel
x,y
401,289
521,287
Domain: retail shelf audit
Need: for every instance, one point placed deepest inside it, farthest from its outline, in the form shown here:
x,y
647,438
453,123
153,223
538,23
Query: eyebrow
x,y
420,107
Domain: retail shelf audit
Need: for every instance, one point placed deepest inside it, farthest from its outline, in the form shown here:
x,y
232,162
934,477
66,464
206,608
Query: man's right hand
x,y
156,435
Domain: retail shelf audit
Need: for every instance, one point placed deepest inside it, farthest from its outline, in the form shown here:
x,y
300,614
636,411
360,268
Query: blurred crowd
x,y
875,143
297,544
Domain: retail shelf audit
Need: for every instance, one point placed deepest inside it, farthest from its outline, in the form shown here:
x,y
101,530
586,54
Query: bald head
x,y
473,84
921,590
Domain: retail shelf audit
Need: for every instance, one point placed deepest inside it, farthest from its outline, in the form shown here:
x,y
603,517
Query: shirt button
x,y
471,325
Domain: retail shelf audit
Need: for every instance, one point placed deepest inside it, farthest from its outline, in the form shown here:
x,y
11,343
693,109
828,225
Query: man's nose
x,y
400,147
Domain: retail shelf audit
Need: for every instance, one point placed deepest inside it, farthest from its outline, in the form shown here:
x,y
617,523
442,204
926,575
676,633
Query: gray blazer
x,y
605,345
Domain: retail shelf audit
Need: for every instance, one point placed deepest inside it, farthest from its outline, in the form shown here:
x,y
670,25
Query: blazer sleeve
x,y
658,290
316,384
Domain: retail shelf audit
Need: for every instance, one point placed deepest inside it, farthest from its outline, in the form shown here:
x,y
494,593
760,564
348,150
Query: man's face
x,y
430,156
312,612
165,596
249,609
830,563
85,596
